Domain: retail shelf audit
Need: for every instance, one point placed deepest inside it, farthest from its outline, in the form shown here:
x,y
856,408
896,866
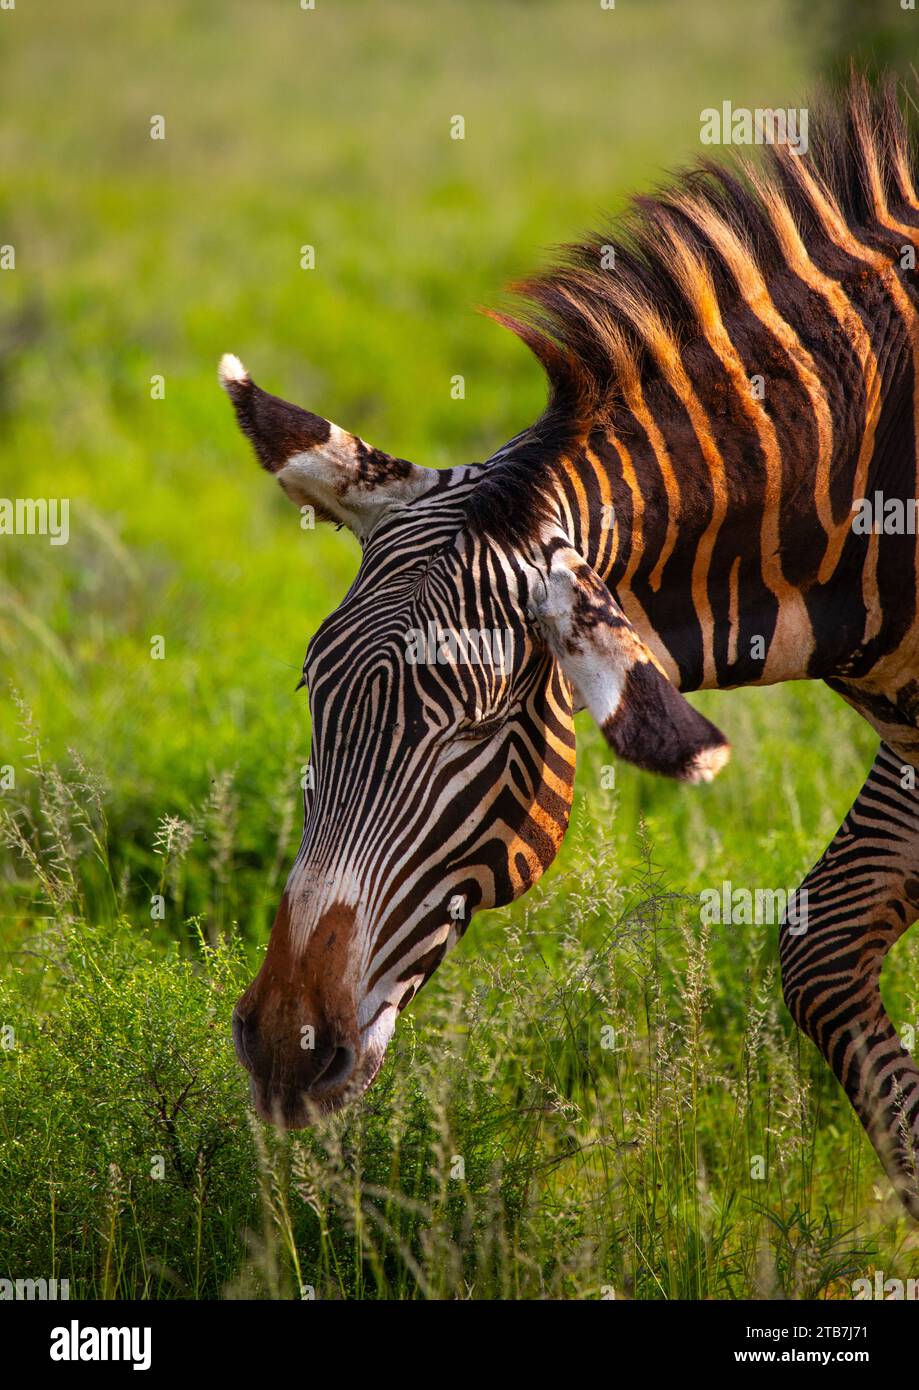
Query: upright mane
x,y
623,306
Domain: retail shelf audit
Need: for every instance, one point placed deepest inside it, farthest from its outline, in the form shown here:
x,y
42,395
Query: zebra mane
x,y
618,308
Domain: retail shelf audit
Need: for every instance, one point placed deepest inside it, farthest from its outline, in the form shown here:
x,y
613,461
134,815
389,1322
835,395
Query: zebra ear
x,y
643,716
318,464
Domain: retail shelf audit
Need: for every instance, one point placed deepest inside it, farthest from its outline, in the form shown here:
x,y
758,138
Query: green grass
x,y
585,1167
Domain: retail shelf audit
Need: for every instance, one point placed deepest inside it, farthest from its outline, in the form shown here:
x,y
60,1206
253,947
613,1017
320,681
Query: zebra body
x,y
724,403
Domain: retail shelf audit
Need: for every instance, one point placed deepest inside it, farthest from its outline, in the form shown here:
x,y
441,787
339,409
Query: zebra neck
x,y
695,593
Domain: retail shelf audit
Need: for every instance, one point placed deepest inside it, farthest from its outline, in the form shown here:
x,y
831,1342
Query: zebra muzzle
x,y
295,1028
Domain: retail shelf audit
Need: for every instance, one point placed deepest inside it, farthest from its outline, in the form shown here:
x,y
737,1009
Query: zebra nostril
x,y
336,1071
242,1027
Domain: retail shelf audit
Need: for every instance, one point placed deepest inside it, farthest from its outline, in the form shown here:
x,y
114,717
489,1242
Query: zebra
x,y
725,393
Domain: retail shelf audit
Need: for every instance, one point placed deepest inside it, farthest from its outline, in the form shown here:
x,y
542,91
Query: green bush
x,y
580,1107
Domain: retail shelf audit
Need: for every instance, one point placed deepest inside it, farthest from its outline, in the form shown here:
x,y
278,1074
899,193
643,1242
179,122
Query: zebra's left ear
x,y
318,464
643,716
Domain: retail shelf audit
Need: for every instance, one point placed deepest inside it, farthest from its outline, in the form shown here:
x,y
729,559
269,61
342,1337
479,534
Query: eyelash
x,y
487,726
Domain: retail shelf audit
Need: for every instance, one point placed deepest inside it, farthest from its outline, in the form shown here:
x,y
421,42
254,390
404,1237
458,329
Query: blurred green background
x,y
138,258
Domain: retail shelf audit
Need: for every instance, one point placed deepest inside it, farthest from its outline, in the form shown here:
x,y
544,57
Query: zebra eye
x,y
485,727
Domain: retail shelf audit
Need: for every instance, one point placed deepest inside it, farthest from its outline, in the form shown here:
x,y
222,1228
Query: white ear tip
x,y
231,370
706,765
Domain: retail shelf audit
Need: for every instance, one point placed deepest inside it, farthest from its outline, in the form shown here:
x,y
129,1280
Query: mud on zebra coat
x,y
662,528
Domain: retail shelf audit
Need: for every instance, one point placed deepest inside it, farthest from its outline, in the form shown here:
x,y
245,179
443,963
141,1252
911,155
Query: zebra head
x,y
442,693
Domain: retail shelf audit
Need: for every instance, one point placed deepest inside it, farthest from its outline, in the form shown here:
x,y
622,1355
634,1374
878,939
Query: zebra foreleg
x,y
861,897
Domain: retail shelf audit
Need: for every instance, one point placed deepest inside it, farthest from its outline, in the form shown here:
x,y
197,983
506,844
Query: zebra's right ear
x,y
318,464
643,716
